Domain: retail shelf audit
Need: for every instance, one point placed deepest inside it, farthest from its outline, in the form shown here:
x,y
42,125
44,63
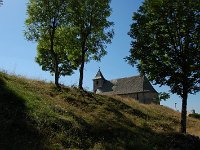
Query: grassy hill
x,y
35,115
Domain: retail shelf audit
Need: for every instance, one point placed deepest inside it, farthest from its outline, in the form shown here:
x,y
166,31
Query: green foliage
x,y
44,17
77,29
165,46
47,24
195,115
67,62
162,96
91,21
166,37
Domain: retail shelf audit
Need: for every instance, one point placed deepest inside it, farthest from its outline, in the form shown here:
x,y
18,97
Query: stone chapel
x,y
136,87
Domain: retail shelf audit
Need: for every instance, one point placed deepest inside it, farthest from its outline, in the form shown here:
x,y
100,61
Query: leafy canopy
x,y
162,96
165,46
66,61
91,21
44,16
93,33
48,24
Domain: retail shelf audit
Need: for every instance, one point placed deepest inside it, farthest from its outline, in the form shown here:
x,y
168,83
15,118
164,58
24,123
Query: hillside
x,y
35,115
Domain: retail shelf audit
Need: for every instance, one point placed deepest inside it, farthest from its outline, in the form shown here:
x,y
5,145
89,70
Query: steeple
x,y
98,81
99,75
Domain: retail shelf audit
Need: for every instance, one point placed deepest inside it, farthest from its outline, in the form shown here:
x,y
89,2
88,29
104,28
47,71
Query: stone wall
x,y
142,97
97,83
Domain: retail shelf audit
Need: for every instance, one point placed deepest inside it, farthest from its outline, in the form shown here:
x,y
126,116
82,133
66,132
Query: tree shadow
x,y
122,133
174,140
113,130
17,128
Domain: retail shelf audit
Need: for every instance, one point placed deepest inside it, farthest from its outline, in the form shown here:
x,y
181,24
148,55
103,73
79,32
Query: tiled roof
x,y
129,85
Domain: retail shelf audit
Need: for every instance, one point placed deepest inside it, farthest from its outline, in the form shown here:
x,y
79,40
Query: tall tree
x,y
44,19
91,21
165,46
1,2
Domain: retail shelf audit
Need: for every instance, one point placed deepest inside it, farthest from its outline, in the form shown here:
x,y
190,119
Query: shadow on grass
x,y
17,129
176,141
111,129
127,135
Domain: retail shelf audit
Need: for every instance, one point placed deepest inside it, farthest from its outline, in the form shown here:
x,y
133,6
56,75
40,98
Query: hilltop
x,y
35,115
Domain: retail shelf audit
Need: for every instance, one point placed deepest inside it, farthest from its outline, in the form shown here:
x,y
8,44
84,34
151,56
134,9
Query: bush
x,y
197,116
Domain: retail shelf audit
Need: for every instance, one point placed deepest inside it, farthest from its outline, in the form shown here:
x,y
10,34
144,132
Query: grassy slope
x,y
34,115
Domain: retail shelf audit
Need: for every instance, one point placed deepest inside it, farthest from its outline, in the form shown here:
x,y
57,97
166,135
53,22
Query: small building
x,y
136,87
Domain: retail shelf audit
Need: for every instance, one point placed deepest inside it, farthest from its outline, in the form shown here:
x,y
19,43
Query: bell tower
x,y
98,81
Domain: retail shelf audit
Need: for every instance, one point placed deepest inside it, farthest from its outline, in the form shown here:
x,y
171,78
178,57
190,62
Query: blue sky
x,y
17,55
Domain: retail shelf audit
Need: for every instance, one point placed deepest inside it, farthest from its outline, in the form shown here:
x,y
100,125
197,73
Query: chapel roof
x,y
127,85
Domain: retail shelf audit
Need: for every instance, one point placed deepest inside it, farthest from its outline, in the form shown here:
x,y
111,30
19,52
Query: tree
x,y
165,46
44,20
66,62
90,19
1,2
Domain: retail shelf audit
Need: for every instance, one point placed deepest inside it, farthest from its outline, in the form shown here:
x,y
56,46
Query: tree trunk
x,y
56,72
184,112
82,69
55,56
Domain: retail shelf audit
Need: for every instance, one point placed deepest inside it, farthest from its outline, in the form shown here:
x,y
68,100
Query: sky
x,y
17,55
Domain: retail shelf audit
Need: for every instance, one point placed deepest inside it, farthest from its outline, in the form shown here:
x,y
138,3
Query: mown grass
x,y
35,115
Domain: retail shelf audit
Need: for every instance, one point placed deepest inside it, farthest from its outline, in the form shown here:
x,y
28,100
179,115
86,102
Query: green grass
x,y
35,115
